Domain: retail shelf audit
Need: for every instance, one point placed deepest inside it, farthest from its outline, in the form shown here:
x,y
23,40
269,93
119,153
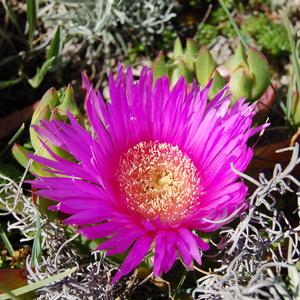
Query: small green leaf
x,y
38,284
31,18
40,74
6,241
36,247
13,139
43,114
54,45
8,83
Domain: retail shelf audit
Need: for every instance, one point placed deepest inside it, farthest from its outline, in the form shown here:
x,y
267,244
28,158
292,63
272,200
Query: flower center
x,y
158,180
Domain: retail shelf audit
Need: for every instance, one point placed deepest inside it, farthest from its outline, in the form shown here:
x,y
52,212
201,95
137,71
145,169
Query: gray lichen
x,y
99,28
255,255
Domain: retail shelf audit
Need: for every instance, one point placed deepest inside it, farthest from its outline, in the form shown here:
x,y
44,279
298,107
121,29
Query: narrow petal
x,y
184,252
159,257
135,256
190,241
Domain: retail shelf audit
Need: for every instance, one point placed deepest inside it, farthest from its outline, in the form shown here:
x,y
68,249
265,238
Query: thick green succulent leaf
x,y
175,75
259,68
182,69
44,114
68,103
53,107
20,155
217,84
177,50
159,66
204,66
192,49
239,59
185,71
241,83
50,99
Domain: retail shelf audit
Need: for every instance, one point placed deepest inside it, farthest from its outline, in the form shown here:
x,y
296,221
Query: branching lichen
x,y
255,255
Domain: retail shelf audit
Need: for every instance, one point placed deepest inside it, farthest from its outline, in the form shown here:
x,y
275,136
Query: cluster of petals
x,y
212,134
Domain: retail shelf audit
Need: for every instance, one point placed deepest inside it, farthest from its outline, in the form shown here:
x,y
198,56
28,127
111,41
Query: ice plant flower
x,y
154,171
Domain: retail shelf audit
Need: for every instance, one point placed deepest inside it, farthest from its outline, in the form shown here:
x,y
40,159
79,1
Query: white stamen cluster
x,y
158,180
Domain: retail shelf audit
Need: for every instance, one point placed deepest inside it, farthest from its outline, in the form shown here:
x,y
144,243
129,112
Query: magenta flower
x,y
153,172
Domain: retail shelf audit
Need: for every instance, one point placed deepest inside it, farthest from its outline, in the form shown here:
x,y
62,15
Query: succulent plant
x,y
247,71
53,105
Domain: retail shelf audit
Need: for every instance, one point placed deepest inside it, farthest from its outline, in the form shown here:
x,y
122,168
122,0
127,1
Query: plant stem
x,y
6,241
233,23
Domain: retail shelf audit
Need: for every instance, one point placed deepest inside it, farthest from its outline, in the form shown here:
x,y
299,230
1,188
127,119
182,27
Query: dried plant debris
x,y
91,281
259,259
14,202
